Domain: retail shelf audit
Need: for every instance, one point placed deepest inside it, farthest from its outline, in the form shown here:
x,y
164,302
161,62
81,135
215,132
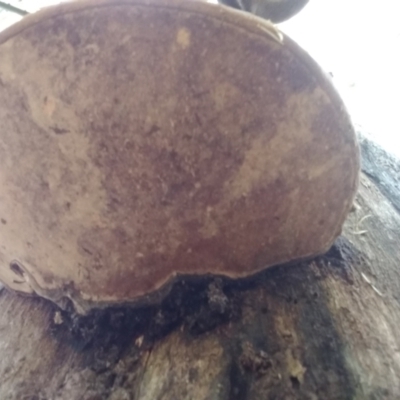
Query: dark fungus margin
x,y
199,305
103,335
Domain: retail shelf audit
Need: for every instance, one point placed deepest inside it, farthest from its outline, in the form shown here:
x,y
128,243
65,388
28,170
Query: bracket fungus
x,y
144,139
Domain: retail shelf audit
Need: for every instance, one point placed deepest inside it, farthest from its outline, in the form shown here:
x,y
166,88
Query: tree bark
x,y
323,329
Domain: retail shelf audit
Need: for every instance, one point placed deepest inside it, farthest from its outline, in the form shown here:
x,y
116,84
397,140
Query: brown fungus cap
x,y
144,139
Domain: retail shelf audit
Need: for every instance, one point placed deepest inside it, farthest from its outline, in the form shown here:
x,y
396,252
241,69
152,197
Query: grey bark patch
x,y
383,168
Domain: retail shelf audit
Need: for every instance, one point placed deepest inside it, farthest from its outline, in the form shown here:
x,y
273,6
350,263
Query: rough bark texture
x,y
323,329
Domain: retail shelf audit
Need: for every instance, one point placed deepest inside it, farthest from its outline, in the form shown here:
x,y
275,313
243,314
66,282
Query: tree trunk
x,y
323,329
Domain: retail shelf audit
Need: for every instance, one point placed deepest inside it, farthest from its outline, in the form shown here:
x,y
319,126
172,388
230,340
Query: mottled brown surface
x,y
144,139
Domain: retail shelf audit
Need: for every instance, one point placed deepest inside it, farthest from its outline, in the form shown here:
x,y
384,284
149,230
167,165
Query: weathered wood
x,y
325,329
